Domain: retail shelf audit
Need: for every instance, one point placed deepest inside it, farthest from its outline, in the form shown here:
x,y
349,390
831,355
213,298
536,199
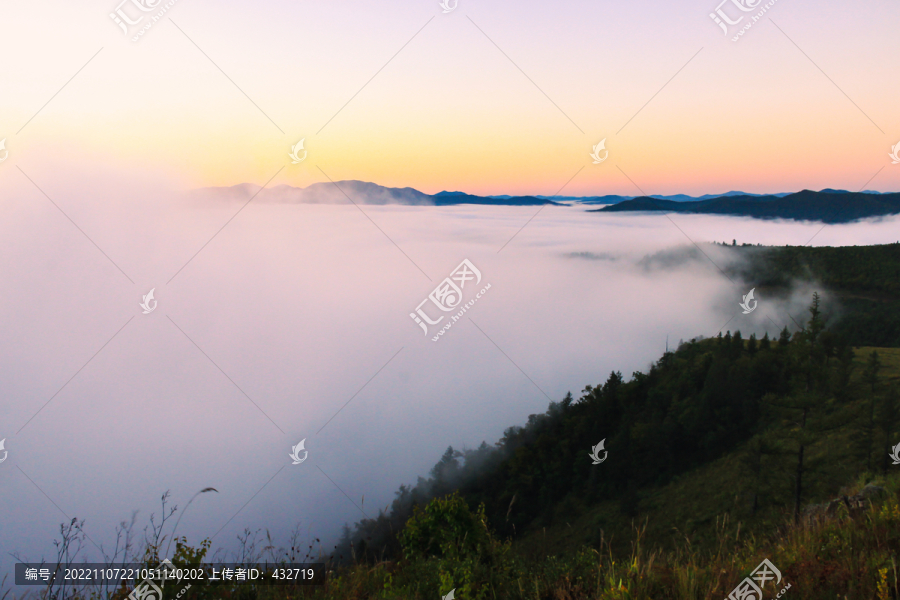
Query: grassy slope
x,y
693,504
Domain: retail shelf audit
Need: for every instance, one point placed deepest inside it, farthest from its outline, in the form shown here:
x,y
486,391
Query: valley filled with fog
x,y
268,324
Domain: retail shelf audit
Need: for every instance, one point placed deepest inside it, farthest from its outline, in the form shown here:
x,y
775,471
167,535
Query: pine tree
x,y
888,416
751,344
873,365
737,345
753,460
808,410
870,376
445,471
785,338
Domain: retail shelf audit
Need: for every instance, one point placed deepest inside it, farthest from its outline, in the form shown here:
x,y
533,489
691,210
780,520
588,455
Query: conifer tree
x,y
785,338
888,417
809,410
751,344
870,376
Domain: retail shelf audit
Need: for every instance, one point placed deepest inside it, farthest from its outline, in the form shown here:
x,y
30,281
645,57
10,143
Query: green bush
x,y
450,547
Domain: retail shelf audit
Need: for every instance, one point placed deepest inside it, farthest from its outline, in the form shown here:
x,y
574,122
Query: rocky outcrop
x,y
855,504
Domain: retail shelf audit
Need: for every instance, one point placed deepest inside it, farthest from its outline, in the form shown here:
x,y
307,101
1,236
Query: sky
x,y
278,323
490,98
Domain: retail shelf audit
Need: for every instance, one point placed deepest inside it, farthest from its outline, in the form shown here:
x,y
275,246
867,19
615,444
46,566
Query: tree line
x,y
782,402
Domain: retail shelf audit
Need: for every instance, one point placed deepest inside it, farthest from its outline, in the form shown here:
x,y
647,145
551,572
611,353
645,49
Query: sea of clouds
x,y
273,316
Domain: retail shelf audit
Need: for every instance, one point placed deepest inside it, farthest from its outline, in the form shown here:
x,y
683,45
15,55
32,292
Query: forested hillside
x,y
865,280
717,407
707,400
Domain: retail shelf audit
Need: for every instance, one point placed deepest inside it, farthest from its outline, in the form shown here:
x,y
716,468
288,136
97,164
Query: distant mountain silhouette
x,y
362,192
615,199
343,192
447,198
827,206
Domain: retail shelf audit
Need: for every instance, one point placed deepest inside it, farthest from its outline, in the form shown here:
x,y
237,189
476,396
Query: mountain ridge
x,y
826,206
364,192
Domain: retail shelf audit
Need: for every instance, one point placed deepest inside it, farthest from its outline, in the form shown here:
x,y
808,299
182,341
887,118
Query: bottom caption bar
x,y
168,573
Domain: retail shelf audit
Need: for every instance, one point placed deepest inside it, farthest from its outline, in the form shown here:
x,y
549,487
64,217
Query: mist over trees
x,y
778,399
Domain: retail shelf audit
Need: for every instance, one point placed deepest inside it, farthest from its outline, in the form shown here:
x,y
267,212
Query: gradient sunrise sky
x,y
491,98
